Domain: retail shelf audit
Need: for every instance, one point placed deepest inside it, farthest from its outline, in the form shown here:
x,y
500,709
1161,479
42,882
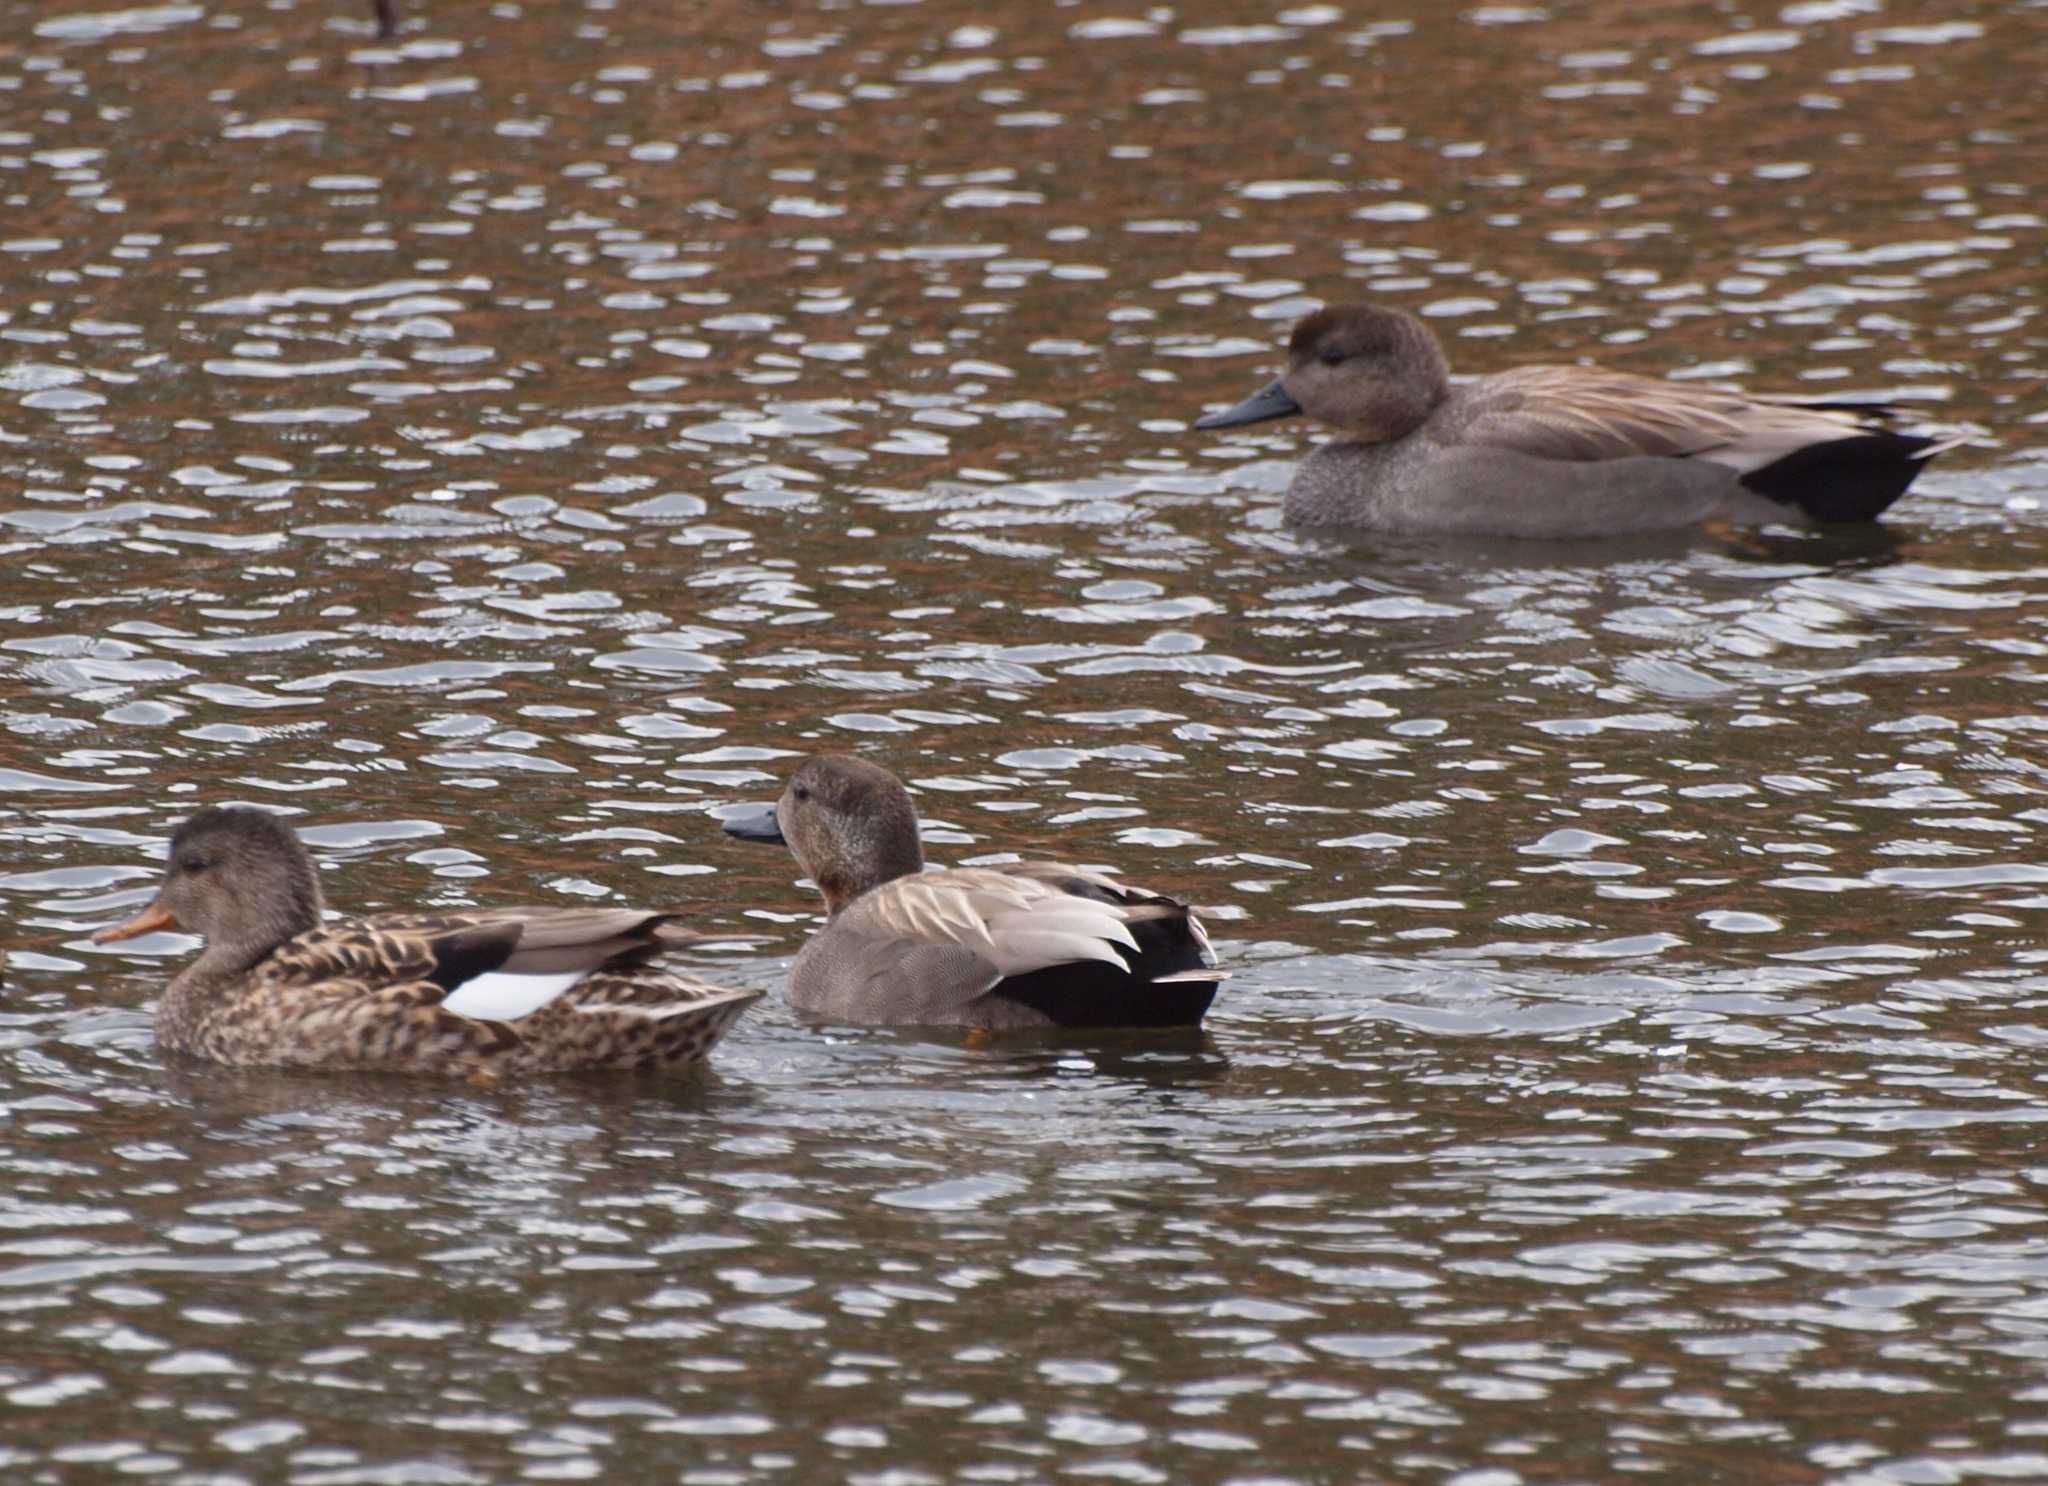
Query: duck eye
x,y
800,793
1333,358
193,864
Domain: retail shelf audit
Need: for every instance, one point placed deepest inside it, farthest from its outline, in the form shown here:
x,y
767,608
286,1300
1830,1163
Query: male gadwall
x,y
1557,451
1033,944
455,991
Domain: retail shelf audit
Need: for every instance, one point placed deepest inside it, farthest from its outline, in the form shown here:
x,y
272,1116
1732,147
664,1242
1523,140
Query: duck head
x,y
236,876
849,823
1373,374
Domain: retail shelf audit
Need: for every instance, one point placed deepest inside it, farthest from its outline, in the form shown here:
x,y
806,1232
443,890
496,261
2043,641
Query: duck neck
x,y
236,943
1407,402
193,995
889,860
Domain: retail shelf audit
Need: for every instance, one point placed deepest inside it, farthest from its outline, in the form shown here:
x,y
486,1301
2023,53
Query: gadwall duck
x,y
1557,451
467,991
1034,944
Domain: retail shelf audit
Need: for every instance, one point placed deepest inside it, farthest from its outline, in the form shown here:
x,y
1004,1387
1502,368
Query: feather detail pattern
x,y
458,991
1586,413
366,995
1020,945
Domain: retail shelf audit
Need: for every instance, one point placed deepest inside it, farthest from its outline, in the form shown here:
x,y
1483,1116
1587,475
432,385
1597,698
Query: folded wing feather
x,y
915,908
1016,923
1584,413
550,952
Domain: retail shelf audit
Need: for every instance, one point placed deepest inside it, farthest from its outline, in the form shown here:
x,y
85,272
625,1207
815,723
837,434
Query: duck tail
x,y
1847,479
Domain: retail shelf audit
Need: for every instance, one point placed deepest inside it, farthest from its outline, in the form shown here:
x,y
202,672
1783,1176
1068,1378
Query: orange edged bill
x,y
152,918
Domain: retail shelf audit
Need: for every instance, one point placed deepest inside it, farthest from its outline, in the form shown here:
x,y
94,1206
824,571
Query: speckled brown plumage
x,y
276,986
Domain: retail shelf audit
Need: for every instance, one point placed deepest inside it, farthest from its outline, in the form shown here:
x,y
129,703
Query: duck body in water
x,y
1558,451
462,991
1030,944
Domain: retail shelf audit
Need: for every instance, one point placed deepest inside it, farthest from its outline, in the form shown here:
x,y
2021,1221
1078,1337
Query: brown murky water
x,y
509,445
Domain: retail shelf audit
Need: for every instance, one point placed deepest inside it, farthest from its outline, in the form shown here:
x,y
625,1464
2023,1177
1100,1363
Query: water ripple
x,y
508,444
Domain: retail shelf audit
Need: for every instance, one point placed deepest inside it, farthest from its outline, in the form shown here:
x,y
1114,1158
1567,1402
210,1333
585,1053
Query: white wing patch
x,y
501,996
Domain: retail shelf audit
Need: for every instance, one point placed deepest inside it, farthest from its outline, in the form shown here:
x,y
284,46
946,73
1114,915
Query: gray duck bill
x,y
1268,402
757,823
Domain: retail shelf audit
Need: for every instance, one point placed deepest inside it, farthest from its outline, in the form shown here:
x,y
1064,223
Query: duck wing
x,y
345,997
498,964
1584,413
549,940
392,950
1022,945
1017,921
1135,905
469,988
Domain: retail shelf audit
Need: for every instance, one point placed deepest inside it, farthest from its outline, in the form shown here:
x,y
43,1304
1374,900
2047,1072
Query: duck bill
x,y
152,918
1268,402
757,823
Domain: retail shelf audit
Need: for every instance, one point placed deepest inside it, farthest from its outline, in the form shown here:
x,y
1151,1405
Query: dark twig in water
x,y
387,18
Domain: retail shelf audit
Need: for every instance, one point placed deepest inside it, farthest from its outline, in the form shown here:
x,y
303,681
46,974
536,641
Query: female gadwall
x,y
456,991
1033,944
1557,451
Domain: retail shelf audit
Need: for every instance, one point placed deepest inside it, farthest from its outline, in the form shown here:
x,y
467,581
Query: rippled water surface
x,y
506,445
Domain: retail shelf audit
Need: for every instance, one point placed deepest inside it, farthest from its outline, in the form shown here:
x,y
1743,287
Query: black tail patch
x,y
1850,479
1090,993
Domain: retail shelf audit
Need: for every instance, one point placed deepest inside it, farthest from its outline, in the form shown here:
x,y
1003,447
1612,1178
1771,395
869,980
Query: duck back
x,y
923,951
